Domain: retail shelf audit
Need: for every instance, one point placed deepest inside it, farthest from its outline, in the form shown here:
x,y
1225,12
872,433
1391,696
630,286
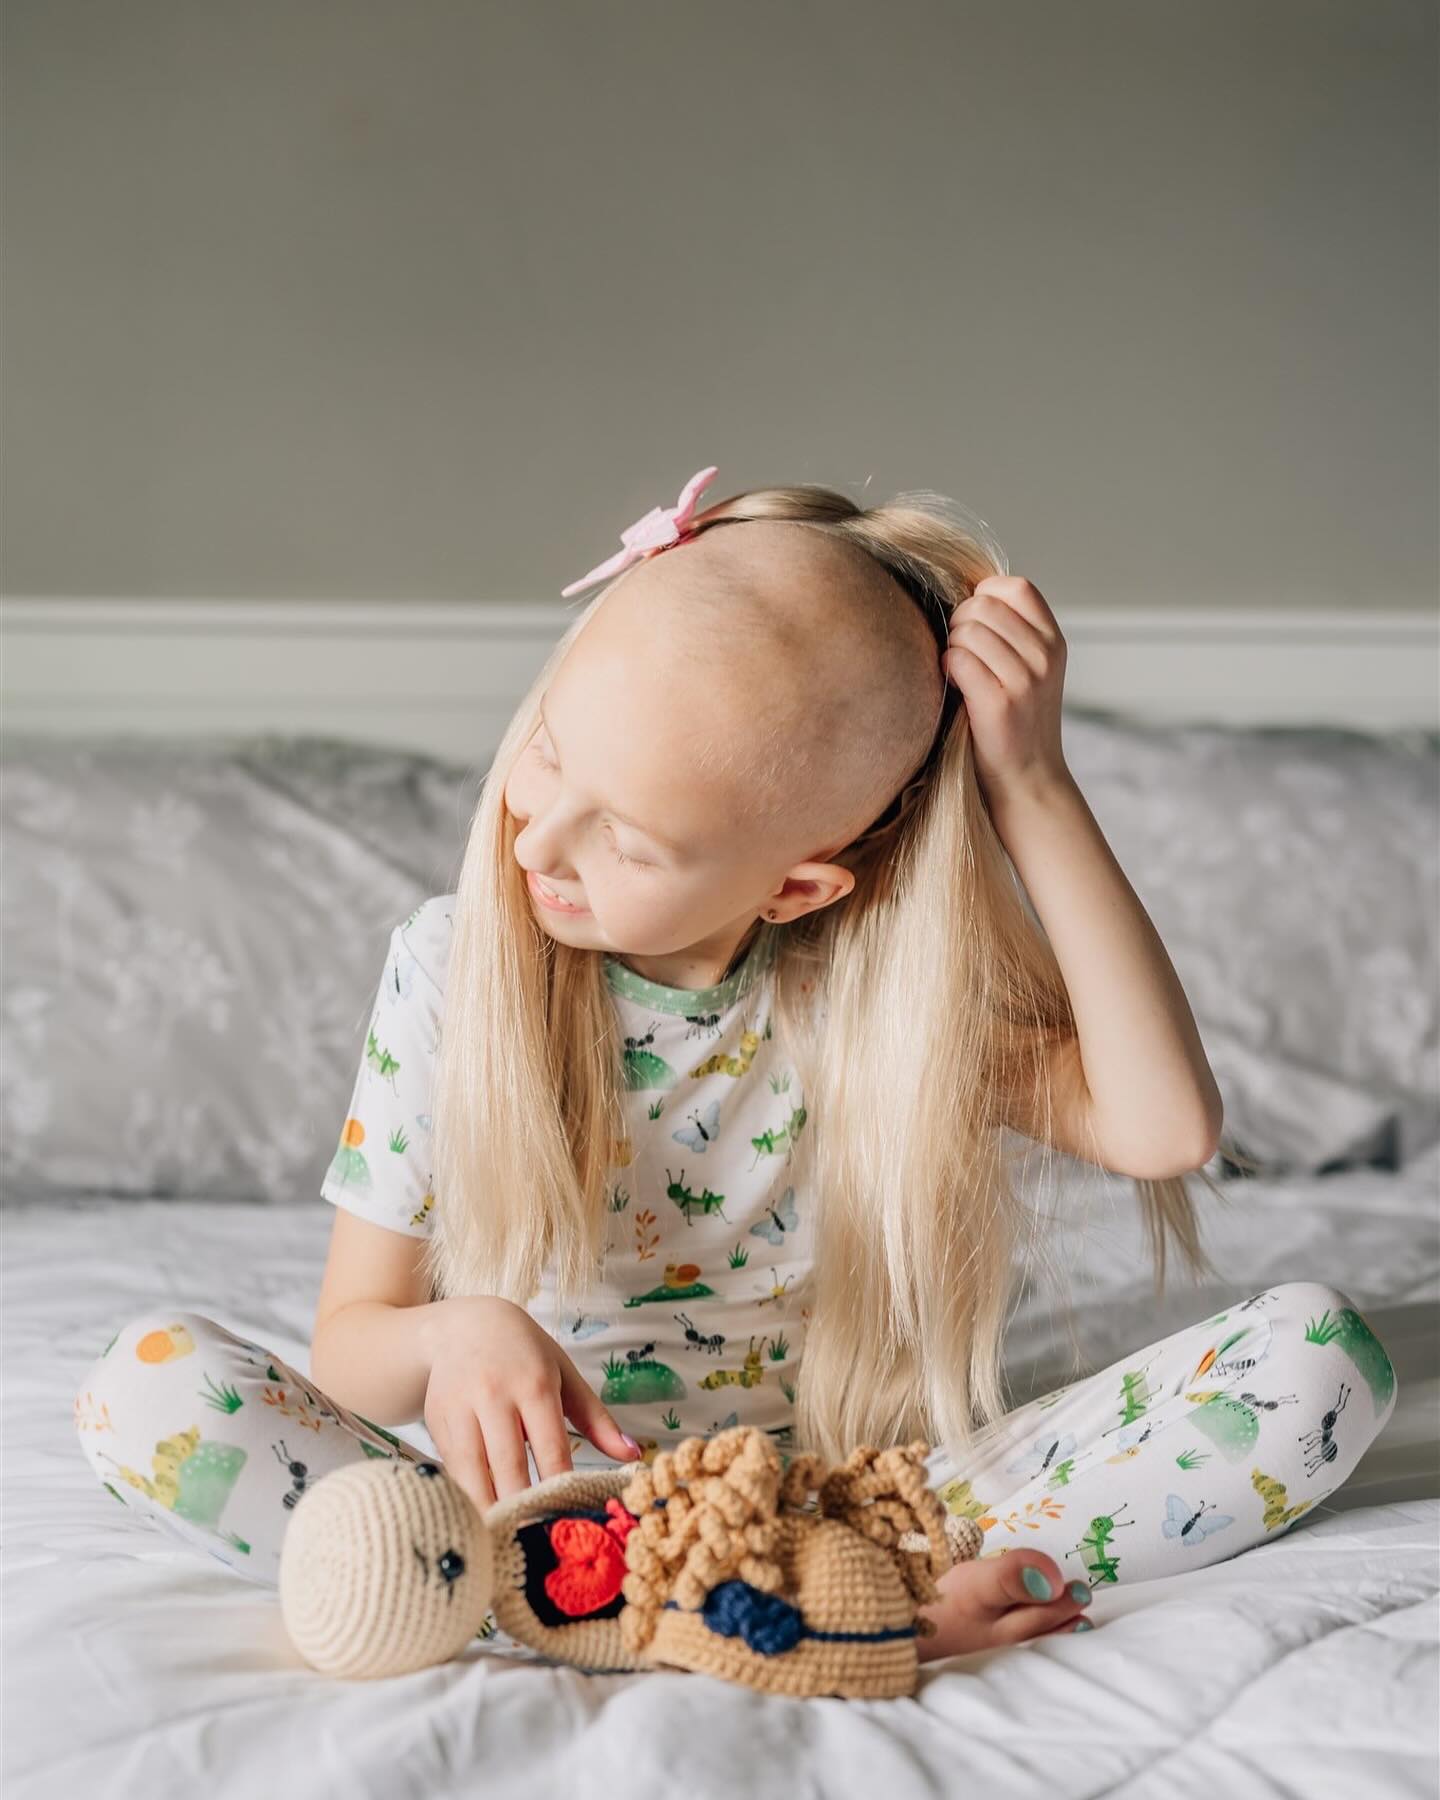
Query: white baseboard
x,y
444,676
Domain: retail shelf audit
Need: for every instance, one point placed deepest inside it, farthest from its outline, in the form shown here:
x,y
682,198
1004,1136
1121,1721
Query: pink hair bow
x,y
661,526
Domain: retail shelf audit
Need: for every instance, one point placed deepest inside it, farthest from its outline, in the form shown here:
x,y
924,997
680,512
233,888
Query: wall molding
x,y
444,676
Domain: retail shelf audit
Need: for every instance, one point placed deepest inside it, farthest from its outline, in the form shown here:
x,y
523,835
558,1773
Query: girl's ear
x,y
806,888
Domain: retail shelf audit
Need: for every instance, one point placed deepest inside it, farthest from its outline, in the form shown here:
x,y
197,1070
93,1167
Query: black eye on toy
x,y
451,1565
427,1469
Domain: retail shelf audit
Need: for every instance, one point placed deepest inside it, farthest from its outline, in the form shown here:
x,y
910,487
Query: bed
x,y
164,1139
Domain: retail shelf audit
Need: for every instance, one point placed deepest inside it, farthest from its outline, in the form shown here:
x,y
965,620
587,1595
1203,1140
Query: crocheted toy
x,y
802,1581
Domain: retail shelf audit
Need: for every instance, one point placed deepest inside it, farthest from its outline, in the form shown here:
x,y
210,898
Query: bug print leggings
x,y
1188,1451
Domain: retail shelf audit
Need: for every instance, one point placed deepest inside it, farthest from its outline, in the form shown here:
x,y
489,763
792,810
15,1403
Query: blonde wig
x,y
912,1008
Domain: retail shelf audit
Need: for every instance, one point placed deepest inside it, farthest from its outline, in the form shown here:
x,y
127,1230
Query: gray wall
x,y
406,298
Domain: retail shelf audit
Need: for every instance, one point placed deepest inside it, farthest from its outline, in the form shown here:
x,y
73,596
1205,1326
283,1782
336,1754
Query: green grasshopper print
x,y
381,1061
1134,1396
705,1201
783,1138
1094,1547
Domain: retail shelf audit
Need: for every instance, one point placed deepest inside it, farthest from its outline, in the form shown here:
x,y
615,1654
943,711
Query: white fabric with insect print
x,y
696,1319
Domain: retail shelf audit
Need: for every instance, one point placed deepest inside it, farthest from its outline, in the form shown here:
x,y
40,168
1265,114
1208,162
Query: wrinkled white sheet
x,y
1309,1666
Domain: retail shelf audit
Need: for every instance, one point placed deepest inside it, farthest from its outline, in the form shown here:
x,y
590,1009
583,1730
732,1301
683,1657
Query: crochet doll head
x,y
806,1581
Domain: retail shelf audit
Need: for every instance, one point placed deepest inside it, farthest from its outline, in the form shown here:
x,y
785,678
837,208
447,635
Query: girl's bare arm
x,y
1144,1082
372,1345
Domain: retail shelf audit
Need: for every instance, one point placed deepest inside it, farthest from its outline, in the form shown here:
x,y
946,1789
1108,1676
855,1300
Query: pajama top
x,y
696,1319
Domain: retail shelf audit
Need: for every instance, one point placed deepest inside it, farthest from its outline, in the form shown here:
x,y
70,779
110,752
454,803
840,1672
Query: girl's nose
x,y
540,849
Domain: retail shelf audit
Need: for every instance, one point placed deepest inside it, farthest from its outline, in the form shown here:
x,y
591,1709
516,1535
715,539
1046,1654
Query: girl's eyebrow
x,y
658,837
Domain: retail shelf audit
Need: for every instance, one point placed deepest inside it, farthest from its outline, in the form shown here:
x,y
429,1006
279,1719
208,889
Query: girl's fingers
x,y
504,1448
1005,663
1028,1576
587,1413
1008,623
1039,1598
549,1440
462,1453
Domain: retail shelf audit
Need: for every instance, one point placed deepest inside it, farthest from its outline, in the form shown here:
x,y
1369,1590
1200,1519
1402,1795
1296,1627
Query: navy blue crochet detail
x,y
770,1625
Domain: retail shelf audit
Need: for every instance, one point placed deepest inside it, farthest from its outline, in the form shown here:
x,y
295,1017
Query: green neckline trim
x,y
688,1001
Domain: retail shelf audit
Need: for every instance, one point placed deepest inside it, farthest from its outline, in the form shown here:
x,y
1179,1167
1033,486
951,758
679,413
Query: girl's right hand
x,y
497,1379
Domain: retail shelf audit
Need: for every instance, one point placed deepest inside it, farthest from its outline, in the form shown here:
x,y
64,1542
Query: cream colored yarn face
x,y
385,1567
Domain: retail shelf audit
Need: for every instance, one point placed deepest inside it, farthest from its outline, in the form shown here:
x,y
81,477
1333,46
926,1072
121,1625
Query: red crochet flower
x,y
590,1565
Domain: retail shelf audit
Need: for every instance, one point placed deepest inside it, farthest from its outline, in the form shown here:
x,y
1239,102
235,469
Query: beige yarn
x,y
364,1593
361,1587
864,1560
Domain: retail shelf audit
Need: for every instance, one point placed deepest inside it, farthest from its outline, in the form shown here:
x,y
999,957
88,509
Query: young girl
x,y
689,1107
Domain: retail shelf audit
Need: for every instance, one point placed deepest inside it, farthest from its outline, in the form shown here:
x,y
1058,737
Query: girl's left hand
x,y
1007,657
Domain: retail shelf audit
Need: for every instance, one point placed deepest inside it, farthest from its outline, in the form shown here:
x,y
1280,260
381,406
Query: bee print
x,y
298,1473
777,1289
1235,1354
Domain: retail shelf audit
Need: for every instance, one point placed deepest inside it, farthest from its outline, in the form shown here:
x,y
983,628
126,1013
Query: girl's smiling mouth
x,y
548,897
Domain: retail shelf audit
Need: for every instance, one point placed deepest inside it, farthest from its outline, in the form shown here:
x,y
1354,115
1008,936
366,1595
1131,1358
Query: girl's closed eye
x,y
629,862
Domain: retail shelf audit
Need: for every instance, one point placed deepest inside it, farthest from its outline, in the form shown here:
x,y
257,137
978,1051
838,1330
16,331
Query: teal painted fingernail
x,y
1080,1593
1084,1624
1038,1585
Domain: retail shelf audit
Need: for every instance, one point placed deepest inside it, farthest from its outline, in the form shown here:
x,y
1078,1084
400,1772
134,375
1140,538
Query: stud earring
x,y
770,915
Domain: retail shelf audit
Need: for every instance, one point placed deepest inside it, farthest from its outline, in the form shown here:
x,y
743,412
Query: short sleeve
x,y
381,1169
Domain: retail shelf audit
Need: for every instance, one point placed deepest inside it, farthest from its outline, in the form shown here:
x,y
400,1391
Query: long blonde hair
x,y
912,1009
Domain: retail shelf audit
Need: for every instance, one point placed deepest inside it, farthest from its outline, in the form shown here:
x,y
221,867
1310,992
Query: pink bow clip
x,y
661,526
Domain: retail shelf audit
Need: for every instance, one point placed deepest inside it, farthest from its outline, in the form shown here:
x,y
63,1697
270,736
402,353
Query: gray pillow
x,y
1292,876
194,931
193,934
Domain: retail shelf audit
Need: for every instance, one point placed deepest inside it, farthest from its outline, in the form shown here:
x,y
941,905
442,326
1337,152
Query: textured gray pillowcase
x,y
193,933
194,930
1292,876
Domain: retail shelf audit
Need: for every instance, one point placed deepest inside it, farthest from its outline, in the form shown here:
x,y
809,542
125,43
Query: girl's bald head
x,y
811,676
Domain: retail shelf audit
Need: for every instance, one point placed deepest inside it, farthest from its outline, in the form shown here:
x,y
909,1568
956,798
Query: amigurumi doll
x,y
806,1580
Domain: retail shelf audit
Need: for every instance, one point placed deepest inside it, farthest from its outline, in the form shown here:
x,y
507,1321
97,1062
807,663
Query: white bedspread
x,y
1308,1666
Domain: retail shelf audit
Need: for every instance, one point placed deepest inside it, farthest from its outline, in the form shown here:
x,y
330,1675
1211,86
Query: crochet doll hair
x,y
801,1580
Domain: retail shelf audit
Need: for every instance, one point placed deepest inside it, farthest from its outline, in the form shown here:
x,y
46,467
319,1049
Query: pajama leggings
x,y
1189,1451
